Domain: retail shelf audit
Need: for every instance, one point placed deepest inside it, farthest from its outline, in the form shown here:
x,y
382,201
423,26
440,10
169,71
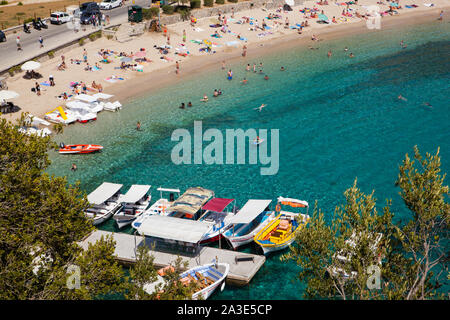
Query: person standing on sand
x,y
244,50
85,55
178,67
184,35
38,89
51,80
41,42
441,15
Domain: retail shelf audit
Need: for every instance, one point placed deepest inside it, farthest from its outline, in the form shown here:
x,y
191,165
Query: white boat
x,y
135,202
112,106
104,202
216,216
253,216
159,207
209,277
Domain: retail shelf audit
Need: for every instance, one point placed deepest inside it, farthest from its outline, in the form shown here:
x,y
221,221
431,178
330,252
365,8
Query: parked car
x,y
59,17
110,4
2,36
88,10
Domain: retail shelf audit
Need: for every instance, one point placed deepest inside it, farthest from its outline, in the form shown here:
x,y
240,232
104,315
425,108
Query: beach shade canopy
x,y
30,65
287,7
125,59
8,94
323,17
290,2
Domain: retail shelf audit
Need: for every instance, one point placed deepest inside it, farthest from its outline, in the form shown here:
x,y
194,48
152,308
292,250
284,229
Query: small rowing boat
x,y
280,232
79,148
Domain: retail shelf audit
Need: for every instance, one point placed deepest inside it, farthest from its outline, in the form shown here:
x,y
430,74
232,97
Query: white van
x,y
60,17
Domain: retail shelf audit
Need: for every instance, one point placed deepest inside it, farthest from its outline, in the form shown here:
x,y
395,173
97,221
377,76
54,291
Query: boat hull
x,y
80,149
208,291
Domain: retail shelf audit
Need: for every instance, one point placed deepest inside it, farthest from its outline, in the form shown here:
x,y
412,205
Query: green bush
x,y
208,3
168,9
154,11
20,4
234,1
51,54
220,1
28,20
81,41
195,4
3,3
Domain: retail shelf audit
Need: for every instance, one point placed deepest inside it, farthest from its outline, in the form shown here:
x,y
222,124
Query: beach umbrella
x,y
7,94
125,59
290,2
323,17
30,65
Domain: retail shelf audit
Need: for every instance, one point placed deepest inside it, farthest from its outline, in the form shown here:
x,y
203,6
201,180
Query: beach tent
x,y
287,7
30,65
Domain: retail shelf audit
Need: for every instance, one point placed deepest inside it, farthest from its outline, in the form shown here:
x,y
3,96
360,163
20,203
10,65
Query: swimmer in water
x,y
400,97
247,68
428,104
260,108
216,93
74,167
205,98
282,69
182,105
189,104
329,54
266,77
244,81
345,49
351,55
219,92
138,126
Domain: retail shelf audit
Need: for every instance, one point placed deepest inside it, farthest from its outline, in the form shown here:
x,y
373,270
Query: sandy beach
x,y
161,71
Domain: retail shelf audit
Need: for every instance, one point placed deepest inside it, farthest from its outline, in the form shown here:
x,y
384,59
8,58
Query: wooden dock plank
x,y
240,273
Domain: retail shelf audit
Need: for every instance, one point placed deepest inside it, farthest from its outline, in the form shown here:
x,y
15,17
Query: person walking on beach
x,y
38,89
41,42
441,15
19,46
85,55
51,80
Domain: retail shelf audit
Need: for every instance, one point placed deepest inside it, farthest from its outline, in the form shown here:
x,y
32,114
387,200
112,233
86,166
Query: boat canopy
x,y
135,193
250,211
191,201
105,191
85,97
168,190
171,228
217,204
295,203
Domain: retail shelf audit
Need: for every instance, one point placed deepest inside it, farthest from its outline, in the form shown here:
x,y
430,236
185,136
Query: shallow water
x,y
339,119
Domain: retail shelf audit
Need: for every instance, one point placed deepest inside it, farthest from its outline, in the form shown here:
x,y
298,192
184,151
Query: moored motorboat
x,y
253,216
280,232
135,202
159,207
79,148
104,202
216,216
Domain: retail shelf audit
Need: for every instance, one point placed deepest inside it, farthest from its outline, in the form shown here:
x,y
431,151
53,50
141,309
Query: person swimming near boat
x,y
182,106
266,77
400,97
205,98
260,107
189,104
138,125
74,167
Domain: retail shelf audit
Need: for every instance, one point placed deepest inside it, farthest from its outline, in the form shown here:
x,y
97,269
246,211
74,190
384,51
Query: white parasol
x,y
290,2
7,94
30,65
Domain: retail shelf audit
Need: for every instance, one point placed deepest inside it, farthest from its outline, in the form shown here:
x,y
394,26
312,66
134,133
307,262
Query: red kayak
x,y
79,148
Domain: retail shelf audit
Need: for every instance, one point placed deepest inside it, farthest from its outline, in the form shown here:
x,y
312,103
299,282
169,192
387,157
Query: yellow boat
x,y
280,233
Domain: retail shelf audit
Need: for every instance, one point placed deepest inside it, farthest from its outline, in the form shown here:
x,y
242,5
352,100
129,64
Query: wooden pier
x,y
243,266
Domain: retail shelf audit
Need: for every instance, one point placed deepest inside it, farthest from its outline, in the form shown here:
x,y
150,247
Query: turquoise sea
x,y
339,118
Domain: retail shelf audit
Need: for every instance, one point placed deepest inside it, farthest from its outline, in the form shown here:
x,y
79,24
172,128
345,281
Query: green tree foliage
x,y
334,257
41,219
